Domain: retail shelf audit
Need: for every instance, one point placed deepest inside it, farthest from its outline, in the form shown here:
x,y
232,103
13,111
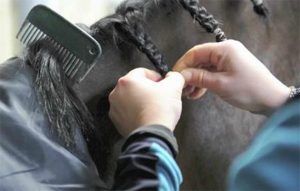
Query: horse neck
x,y
172,30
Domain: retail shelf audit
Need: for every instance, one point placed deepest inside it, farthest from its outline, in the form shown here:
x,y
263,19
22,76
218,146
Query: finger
x,y
111,95
188,90
198,55
145,73
174,80
200,78
197,93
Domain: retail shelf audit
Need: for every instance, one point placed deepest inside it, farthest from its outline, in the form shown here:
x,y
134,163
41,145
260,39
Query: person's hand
x,y
232,72
142,98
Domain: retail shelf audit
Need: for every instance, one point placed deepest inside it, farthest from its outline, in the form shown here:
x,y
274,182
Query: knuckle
x,y
191,52
237,44
120,80
139,69
199,77
195,47
178,77
188,56
136,71
123,81
234,44
175,74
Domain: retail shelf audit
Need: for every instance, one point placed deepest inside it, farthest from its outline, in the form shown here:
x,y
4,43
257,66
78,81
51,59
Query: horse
x,y
154,34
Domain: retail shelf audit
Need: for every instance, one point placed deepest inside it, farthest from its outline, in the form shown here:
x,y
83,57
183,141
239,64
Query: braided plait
x,y
205,19
259,7
132,29
127,24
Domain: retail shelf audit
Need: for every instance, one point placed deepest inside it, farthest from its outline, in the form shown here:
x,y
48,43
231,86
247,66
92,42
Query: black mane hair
x,y
260,8
65,111
128,24
205,19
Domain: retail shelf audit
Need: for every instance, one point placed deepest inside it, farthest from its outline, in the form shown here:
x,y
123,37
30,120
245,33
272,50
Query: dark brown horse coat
x,y
211,133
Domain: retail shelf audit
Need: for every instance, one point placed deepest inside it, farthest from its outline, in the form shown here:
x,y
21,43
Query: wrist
x,y
282,97
277,99
160,122
164,116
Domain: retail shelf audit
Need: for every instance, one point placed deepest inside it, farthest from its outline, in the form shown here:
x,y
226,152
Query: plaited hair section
x,y
205,19
127,25
132,28
260,8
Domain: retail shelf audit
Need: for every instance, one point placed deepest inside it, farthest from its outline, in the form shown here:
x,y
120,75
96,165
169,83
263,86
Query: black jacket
x,y
32,158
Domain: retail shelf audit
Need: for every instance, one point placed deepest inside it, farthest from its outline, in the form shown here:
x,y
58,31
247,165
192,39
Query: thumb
x,y
200,78
174,80
144,73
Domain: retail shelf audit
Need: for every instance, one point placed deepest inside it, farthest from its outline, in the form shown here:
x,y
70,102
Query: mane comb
x,y
79,51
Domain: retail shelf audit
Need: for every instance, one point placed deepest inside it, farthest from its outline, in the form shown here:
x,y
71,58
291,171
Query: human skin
x,y
231,71
228,69
143,98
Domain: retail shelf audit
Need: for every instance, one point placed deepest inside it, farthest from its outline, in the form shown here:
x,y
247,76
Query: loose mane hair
x,y
64,110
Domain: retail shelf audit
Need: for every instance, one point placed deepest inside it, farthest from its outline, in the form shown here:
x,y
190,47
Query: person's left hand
x,y
142,98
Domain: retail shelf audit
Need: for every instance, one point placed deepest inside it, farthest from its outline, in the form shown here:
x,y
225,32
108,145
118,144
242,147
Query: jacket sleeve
x,y
147,161
272,162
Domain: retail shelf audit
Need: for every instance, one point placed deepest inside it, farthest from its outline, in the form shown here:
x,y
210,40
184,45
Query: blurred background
x,y
13,13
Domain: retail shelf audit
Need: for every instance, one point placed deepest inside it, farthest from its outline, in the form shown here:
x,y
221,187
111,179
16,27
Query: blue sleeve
x,y
147,161
273,160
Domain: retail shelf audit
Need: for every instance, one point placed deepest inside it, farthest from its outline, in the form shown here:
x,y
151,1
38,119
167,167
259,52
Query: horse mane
x,y
128,24
64,110
62,107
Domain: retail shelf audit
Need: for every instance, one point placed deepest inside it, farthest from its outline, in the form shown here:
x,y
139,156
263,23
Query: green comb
x,y
79,51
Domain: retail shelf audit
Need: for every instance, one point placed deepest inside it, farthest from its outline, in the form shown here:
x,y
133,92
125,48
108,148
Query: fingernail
x,y
188,90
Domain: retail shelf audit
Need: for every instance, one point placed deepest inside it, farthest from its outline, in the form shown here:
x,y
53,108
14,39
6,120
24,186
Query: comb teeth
x,y
72,66
29,34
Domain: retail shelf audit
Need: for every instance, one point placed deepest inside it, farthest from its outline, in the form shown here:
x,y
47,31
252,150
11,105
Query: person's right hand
x,y
232,72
